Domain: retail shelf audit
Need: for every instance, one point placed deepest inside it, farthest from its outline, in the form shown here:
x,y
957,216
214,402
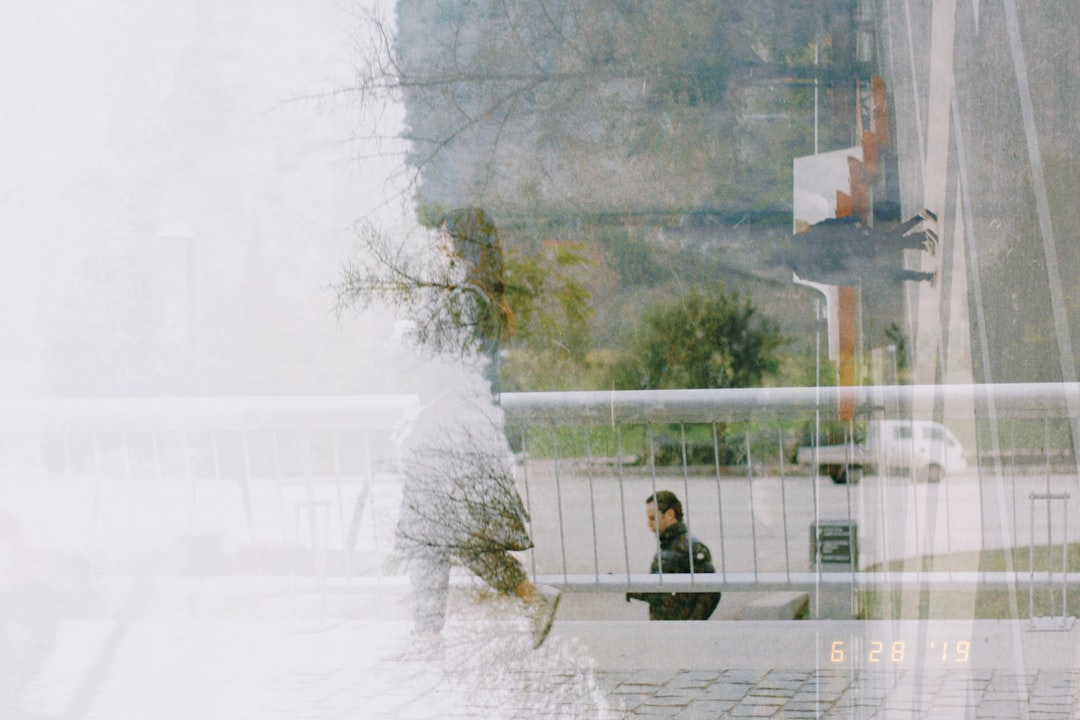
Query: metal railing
x,y
306,485
244,485
594,457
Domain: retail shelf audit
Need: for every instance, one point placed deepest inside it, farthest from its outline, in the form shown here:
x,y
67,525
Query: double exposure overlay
x,y
553,359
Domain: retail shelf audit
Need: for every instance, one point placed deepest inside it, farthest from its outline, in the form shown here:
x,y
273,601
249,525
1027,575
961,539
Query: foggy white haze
x,y
203,466
134,133
180,187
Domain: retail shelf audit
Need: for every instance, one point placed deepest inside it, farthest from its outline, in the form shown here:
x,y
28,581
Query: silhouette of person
x,y
847,251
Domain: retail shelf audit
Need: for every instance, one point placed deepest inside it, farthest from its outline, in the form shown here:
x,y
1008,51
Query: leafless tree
x,y
512,104
456,293
461,497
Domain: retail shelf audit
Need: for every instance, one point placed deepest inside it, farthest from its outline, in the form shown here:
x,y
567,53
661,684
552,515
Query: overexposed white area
x,y
179,187
189,434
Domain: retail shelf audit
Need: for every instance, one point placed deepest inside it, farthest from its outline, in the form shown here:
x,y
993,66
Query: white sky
x,y
123,120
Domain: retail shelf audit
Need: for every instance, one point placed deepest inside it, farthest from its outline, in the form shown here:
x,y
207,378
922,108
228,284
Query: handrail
x,y
733,404
773,581
327,412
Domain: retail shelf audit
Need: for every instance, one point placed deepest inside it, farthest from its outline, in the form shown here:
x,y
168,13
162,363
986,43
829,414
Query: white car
x,y
928,448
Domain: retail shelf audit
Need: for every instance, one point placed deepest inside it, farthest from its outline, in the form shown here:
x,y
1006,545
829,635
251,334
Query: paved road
x,y
587,520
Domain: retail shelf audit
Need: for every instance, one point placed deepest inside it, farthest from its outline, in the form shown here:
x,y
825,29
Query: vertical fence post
x,y
1064,622
346,548
592,504
783,502
558,500
719,497
622,497
750,491
686,487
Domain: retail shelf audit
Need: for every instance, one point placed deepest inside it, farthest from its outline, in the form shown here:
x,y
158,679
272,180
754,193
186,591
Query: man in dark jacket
x,y
679,552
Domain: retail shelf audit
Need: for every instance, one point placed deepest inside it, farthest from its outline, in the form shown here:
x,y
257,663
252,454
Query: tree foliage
x,y
708,339
552,306
466,294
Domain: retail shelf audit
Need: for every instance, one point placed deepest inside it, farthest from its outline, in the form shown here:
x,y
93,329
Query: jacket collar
x,y
673,530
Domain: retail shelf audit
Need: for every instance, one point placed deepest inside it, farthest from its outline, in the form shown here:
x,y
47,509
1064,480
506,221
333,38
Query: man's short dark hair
x,y
665,500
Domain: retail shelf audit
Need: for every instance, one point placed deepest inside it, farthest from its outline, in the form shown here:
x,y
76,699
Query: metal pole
x,y
592,502
719,497
686,490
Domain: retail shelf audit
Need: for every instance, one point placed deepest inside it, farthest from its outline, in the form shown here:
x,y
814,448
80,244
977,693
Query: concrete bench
x,y
778,606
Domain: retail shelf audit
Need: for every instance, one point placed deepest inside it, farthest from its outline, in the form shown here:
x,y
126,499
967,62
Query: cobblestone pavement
x,y
838,694
735,693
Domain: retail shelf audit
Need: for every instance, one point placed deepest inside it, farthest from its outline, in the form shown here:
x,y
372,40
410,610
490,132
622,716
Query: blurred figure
x,y
847,251
678,552
460,503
